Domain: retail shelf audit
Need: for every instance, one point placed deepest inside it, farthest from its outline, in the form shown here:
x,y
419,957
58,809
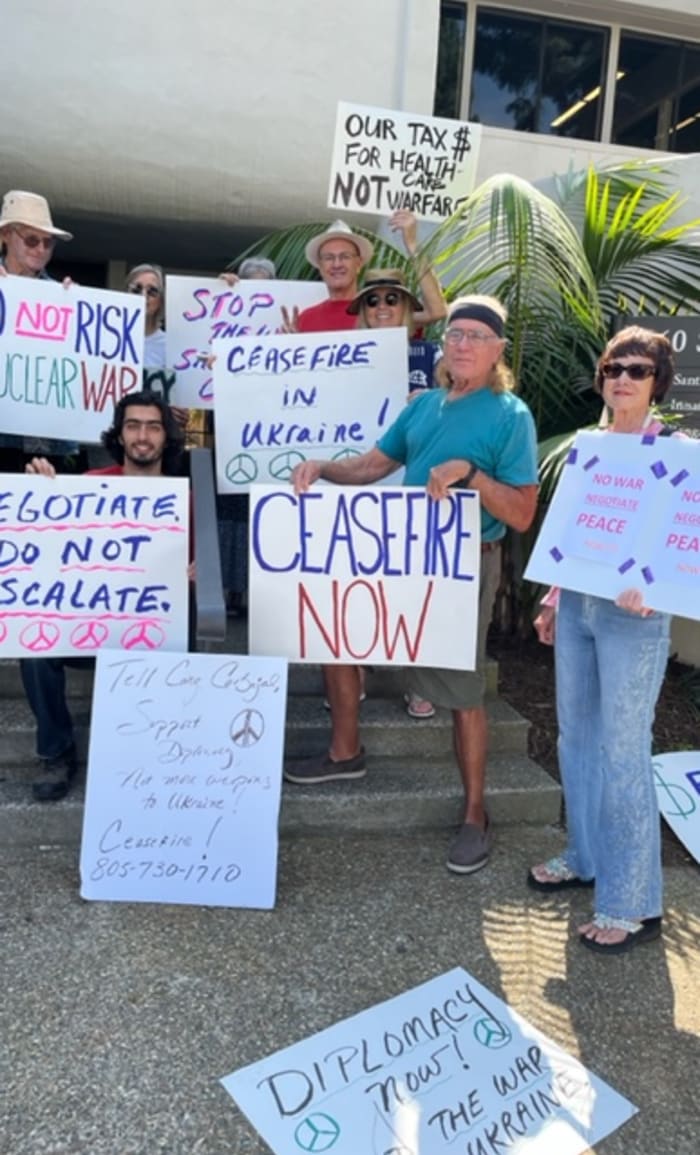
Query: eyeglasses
x,y
391,298
337,258
473,336
636,370
33,241
133,426
149,290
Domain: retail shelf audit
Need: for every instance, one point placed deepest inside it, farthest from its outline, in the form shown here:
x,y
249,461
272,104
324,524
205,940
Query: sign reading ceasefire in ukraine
x,y
384,160
66,357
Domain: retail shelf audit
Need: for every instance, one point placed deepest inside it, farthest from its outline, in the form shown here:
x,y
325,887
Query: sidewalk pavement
x,y
118,1019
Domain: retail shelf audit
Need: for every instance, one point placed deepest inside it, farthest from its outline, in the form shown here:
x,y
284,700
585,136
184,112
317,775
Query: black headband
x,y
478,313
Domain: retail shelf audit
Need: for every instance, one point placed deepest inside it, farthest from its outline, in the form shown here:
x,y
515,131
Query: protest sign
x,y
200,310
283,399
446,1067
626,513
376,576
683,398
184,779
384,160
66,356
677,781
91,562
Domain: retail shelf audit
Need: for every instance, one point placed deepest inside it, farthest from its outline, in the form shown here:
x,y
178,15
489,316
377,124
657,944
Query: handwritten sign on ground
x,y
683,398
677,781
626,513
91,562
384,160
444,1068
66,357
364,575
283,399
184,779
201,310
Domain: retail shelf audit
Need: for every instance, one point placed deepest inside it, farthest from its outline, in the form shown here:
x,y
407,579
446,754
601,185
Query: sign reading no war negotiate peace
x,y
444,1069
286,398
384,160
626,513
364,575
92,562
66,357
184,779
200,310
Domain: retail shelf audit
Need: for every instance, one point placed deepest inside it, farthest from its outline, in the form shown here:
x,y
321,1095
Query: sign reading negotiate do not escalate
x,y
378,575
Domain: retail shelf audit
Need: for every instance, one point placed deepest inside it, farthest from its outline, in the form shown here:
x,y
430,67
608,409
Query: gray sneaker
x,y
470,849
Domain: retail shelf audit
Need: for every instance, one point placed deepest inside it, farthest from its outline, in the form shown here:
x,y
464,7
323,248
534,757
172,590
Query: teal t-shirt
x,y
494,431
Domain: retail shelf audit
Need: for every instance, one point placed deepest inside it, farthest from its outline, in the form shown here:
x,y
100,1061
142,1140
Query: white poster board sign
x,y
184,779
677,781
626,513
92,562
375,576
200,310
283,399
384,160
444,1068
66,357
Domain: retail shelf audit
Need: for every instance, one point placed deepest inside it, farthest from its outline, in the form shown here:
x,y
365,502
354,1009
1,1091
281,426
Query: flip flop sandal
x,y
563,878
418,707
646,930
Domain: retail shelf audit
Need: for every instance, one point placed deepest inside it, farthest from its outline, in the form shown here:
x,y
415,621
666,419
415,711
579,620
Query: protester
x,y
473,432
610,659
148,280
27,240
145,441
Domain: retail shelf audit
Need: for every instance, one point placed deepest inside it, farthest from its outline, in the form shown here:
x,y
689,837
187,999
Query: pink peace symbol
x,y
39,636
143,636
3,631
89,635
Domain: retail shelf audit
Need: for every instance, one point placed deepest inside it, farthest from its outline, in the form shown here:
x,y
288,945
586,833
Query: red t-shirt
x,y
327,317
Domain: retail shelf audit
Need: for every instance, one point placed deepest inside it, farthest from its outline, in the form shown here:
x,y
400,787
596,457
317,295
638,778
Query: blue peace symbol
x,y
492,1034
282,465
317,1132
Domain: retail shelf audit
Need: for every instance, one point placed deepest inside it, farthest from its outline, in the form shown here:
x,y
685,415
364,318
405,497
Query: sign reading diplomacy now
x,y
444,1069
377,575
677,782
626,513
66,357
91,562
285,398
384,160
184,779
200,310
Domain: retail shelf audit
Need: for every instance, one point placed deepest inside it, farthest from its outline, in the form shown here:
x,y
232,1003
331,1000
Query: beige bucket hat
x,y
25,208
338,231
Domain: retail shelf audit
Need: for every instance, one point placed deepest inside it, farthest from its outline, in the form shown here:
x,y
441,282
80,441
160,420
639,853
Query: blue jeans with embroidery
x,y
609,668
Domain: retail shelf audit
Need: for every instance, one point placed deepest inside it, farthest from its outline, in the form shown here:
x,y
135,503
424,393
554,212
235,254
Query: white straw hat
x,y
25,208
338,231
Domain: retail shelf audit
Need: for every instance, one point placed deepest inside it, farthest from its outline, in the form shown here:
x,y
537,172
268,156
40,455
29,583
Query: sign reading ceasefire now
x,y
66,357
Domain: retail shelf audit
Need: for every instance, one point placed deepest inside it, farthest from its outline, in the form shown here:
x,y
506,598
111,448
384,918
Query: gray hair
x,y
260,265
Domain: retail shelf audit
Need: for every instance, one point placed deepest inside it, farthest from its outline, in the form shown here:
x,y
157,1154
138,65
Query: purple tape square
x,y
647,575
680,477
573,457
591,462
648,439
626,565
659,470
556,554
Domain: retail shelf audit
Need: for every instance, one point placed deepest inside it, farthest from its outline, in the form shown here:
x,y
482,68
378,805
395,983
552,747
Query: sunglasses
x,y
636,371
32,241
468,336
373,299
149,290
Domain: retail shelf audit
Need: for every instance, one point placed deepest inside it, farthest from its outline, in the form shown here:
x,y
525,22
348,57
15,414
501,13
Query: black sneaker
x,y
55,776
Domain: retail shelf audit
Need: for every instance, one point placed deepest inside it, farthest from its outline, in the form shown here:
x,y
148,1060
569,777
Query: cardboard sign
x,y
184,779
683,398
384,160
677,781
283,399
446,1067
200,310
356,575
92,562
66,357
626,513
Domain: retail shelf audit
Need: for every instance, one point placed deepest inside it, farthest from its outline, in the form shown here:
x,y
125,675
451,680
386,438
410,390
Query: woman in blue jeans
x,y
610,660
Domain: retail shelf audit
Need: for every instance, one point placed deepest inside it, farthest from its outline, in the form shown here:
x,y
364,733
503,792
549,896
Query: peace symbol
x,y
143,636
39,636
346,453
242,469
89,635
282,465
3,632
317,1132
492,1034
247,728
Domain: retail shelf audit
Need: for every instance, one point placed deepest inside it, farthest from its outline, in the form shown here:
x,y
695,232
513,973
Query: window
x,y
453,24
657,98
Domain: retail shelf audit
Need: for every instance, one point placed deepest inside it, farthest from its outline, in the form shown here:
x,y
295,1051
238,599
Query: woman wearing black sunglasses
x,y
610,663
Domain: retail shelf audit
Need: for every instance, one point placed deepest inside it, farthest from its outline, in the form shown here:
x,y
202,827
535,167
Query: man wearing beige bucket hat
x,y
339,254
